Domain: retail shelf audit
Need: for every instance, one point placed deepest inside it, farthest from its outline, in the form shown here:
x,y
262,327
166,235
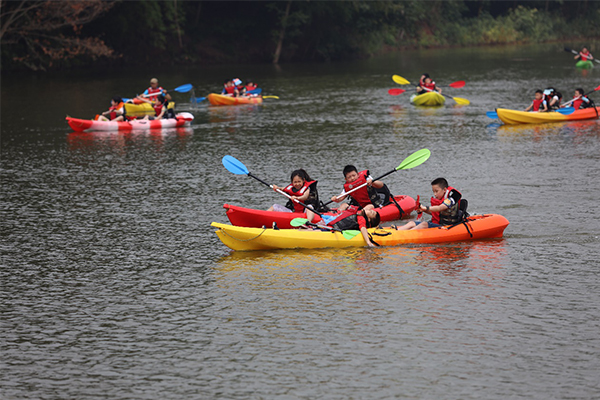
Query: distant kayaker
x,y
116,112
229,89
301,188
160,108
584,55
365,197
445,209
539,102
153,91
250,86
553,98
426,84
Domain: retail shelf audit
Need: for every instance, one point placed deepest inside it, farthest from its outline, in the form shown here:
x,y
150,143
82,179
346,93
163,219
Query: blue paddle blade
x,y
255,91
184,88
126,100
566,110
327,218
234,166
492,114
197,99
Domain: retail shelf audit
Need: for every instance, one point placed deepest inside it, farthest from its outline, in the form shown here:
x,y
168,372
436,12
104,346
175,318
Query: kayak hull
x,y
88,125
221,100
141,109
248,217
486,226
512,117
429,99
584,64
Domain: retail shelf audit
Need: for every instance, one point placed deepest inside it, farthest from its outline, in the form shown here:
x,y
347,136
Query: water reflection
x,y
120,141
575,129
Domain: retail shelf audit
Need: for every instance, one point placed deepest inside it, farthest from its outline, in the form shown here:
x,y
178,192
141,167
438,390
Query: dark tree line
x,y
41,34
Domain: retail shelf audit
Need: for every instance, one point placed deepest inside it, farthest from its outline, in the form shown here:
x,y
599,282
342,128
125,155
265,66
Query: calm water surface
x,y
115,286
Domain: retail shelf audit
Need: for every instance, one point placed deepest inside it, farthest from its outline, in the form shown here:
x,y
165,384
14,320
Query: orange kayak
x,y
475,227
512,117
222,100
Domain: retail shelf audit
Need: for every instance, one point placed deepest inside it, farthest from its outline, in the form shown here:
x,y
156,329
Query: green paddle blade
x,y
350,234
415,159
296,222
400,80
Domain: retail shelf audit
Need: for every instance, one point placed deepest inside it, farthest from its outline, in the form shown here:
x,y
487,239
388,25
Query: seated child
x,y
539,102
445,207
301,188
426,84
116,112
365,197
353,218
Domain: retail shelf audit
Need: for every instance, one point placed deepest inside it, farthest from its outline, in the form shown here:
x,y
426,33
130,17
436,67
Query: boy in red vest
x,y
444,209
539,103
361,197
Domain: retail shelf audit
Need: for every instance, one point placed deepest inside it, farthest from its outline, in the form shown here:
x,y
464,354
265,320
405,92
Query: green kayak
x,y
584,64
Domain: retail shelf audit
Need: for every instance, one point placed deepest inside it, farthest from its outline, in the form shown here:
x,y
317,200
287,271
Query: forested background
x,y
42,34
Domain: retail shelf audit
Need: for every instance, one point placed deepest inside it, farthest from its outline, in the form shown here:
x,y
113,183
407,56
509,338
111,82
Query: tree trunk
x,y
282,33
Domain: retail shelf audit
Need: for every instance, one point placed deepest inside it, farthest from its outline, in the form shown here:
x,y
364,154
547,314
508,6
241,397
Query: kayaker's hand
x,y
369,181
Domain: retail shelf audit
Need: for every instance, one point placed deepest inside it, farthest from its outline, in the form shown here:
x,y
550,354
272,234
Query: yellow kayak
x,y
143,109
511,117
242,238
428,99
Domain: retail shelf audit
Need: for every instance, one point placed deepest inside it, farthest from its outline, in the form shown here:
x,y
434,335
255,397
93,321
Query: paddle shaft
x,y
359,187
577,53
578,97
285,194
445,95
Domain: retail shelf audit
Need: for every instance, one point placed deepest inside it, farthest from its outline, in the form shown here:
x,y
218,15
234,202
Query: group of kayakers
x,y
366,196
235,87
155,95
550,100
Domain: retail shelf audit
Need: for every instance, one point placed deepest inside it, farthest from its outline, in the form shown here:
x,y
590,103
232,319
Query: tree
x,y
37,33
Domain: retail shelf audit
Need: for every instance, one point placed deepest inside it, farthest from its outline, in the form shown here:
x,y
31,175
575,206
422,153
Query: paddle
x,y
349,234
254,91
402,81
270,97
420,213
235,166
563,111
415,159
395,92
180,89
459,100
585,94
568,50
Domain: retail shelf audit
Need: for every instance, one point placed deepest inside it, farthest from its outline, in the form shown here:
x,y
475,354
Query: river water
x,y
115,286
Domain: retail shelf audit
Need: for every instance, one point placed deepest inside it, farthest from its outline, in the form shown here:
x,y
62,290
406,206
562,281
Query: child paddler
x,y
301,188
365,197
353,218
539,102
445,209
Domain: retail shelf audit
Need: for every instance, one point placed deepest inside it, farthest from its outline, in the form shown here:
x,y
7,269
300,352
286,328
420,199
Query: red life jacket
x,y
157,108
361,196
114,109
538,103
430,86
581,101
445,216
229,89
585,56
153,93
289,189
250,87
349,219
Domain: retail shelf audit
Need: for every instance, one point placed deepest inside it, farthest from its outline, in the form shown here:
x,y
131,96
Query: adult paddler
x,y
153,91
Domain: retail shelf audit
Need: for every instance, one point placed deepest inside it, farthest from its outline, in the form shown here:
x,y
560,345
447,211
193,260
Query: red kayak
x,y
252,218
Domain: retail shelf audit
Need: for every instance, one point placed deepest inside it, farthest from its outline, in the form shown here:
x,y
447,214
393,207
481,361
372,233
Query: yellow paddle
x,y
270,97
402,81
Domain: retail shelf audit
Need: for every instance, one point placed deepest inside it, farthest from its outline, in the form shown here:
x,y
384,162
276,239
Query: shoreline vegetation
x,y
41,35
